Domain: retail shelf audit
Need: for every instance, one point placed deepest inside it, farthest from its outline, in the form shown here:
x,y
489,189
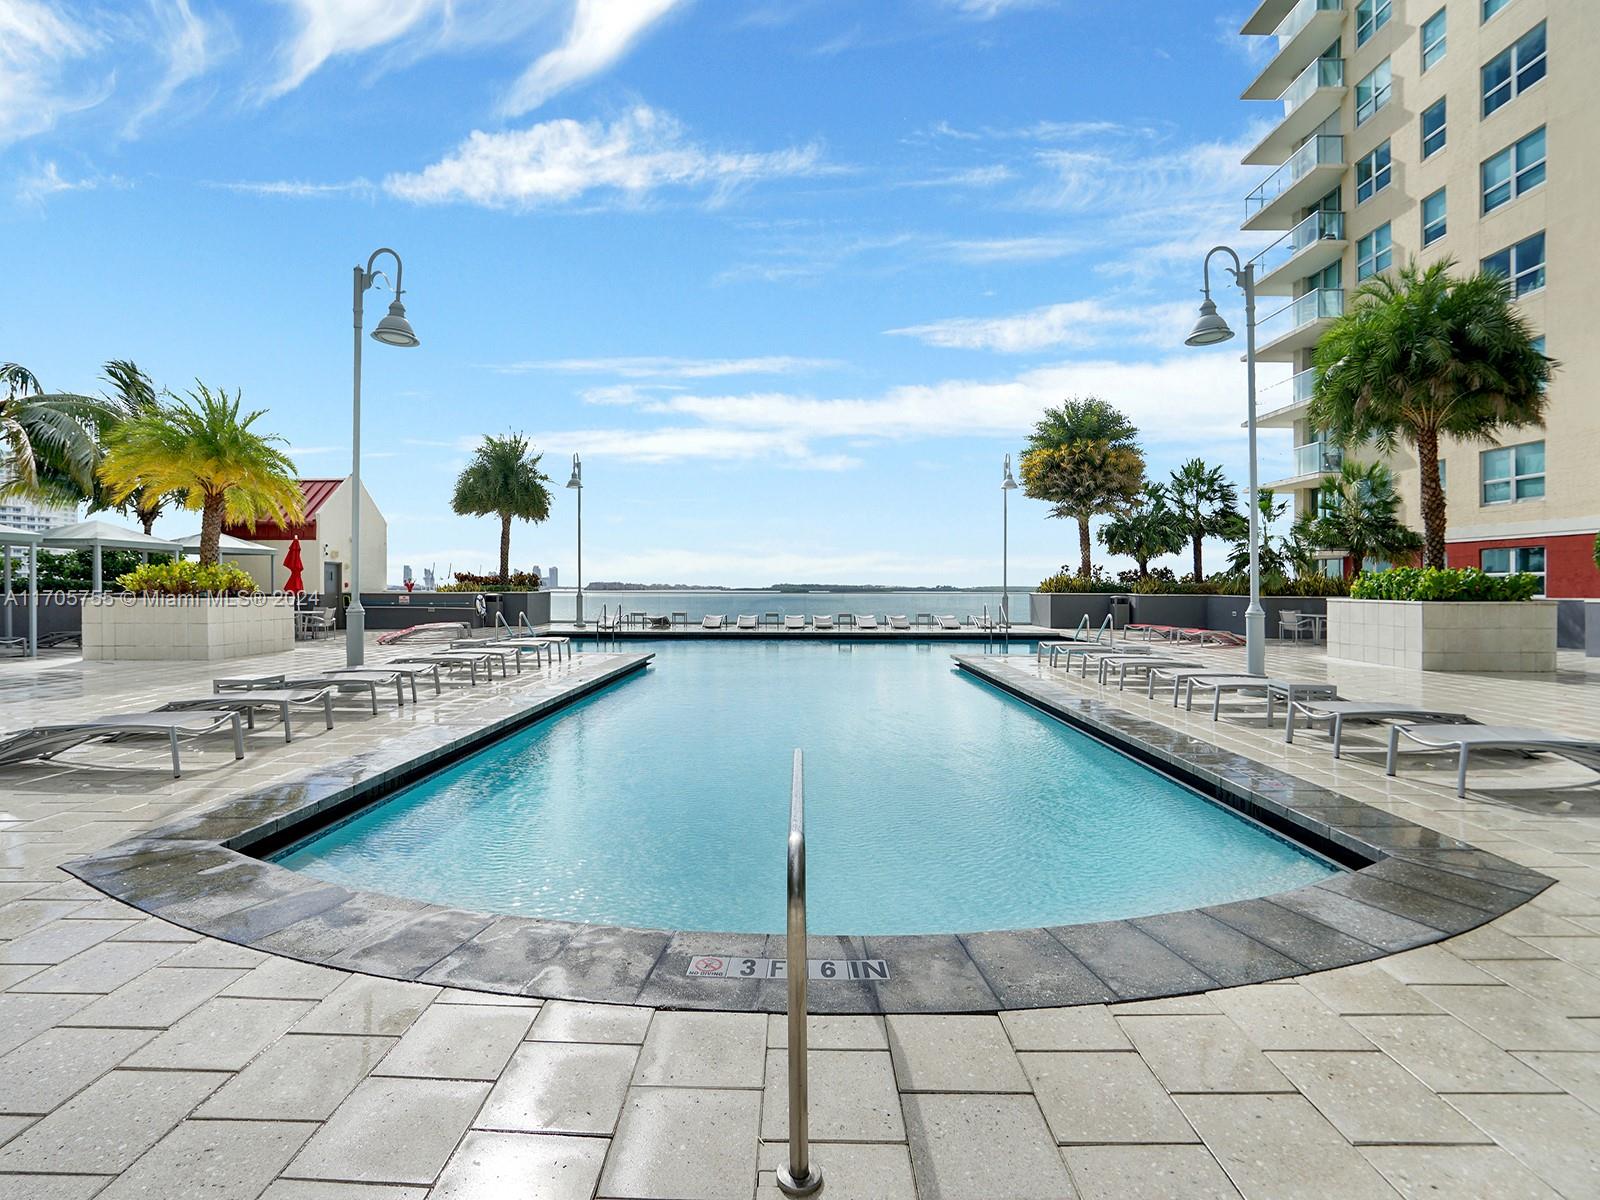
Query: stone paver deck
x,y
139,1059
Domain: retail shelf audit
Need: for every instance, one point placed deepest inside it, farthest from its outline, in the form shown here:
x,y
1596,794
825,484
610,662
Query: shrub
x,y
1442,583
517,581
1066,581
187,578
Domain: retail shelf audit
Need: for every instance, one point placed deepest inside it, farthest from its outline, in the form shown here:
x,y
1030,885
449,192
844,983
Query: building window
x,y
1512,473
1433,131
1373,173
1523,264
1510,560
1374,253
1433,217
1490,7
1433,31
1515,170
1444,476
1538,345
1371,16
1372,93
1511,72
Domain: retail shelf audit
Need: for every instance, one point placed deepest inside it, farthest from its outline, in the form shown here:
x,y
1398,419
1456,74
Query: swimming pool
x,y
934,803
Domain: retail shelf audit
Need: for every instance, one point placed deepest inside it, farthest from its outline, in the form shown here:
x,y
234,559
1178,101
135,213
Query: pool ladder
x,y
799,1176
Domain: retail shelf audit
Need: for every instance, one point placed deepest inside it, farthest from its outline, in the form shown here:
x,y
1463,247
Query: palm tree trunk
x,y
1198,570
147,518
1144,567
505,548
1433,509
211,529
1084,546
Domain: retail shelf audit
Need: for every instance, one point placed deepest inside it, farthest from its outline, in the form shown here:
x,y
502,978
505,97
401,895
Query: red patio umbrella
x,y
292,561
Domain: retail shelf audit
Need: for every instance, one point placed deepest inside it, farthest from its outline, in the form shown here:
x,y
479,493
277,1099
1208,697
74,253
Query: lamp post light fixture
x,y
576,484
1210,330
1007,486
393,330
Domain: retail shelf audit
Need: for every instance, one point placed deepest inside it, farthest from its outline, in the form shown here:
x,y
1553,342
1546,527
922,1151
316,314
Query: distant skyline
x,y
792,277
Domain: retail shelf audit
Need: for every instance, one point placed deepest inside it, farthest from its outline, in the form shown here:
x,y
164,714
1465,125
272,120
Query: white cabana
x,y
233,547
11,537
101,536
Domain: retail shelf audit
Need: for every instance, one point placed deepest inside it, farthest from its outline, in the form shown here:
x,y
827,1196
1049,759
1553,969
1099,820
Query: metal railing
x,y
1319,305
799,1176
1300,16
1322,225
1317,458
1325,149
1324,72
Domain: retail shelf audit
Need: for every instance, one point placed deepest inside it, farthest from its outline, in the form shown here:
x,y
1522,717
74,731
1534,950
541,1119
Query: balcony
x,y
1289,400
1269,14
1312,463
1297,325
1306,249
1306,31
1311,99
1308,175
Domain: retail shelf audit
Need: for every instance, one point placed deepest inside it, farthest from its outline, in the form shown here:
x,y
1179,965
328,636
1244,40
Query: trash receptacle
x,y
1121,611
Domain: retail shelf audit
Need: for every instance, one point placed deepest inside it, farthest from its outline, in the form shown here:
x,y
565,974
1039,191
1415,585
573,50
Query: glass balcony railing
x,y
1325,72
1314,458
1302,387
1318,227
1300,16
1323,150
1322,304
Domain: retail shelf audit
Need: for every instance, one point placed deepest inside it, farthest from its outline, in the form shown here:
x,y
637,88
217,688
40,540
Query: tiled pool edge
x,y
1421,887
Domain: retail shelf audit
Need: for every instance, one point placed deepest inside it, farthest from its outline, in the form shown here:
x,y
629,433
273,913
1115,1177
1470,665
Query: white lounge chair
x,y
794,622
1177,677
281,699
1270,689
713,621
901,622
1123,663
949,623
1463,739
51,738
823,623
1339,713
866,621
747,621
1086,651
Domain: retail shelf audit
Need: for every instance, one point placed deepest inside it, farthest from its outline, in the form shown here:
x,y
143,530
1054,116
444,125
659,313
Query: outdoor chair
x,y
1339,713
1293,623
866,621
901,623
1270,690
1123,663
948,623
1463,739
793,622
712,621
49,739
747,621
823,623
246,702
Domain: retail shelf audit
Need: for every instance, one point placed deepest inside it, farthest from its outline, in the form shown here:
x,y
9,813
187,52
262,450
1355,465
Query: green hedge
x,y
1216,585
187,578
517,581
1442,583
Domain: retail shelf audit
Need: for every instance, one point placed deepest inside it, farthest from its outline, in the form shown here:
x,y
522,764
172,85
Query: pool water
x,y
934,803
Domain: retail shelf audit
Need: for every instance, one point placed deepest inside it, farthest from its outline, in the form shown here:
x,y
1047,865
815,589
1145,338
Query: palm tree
x,y
1083,458
1207,503
132,395
1426,355
1146,530
203,449
1359,507
47,441
503,480
1272,551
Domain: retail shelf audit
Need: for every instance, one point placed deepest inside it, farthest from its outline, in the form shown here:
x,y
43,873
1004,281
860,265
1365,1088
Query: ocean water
x,y
934,803
563,603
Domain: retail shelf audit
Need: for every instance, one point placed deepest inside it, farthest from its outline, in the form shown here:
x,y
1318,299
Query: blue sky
x,y
792,277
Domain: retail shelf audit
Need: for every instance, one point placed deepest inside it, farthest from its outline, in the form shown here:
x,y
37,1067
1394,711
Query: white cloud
x,y
48,181
557,161
648,367
1076,324
189,47
295,188
40,46
328,28
601,32
965,177
987,10
1040,248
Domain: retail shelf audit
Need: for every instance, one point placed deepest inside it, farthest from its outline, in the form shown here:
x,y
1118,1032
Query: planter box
x,y
142,628
535,606
1064,610
1487,637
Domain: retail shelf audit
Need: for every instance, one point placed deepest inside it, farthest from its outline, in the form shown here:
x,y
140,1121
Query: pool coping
x,y
1417,886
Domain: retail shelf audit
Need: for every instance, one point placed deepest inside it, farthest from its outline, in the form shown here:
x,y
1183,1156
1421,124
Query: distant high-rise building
x,y
551,577
31,515
1429,129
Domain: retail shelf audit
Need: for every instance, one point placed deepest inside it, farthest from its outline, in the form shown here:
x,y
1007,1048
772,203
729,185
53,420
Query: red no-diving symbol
x,y
706,966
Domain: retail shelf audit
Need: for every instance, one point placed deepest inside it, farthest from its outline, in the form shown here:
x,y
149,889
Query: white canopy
x,y
226,545
105,536
11,536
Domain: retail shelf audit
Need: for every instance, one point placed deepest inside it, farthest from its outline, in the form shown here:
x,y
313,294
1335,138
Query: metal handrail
x,y
799,1176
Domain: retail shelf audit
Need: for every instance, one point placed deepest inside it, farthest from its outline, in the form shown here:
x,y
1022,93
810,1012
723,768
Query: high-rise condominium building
x,y
1429,129
30,514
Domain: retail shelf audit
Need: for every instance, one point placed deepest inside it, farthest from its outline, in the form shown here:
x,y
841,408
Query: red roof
x,y
317,492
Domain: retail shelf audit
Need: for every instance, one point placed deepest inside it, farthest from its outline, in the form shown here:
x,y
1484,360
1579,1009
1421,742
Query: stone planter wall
x,y
1064,610
125,628
1445,636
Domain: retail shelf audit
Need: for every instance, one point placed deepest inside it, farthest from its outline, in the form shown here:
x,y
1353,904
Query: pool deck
x,y
140,1058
